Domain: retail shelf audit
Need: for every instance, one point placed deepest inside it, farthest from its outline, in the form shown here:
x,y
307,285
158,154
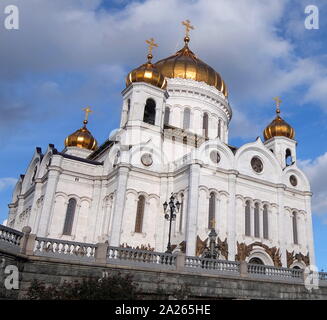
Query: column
x,y
34,211
281,224
118,211
193,199
261,221
309,232
252,218
231,216
45,216
94,214
42,228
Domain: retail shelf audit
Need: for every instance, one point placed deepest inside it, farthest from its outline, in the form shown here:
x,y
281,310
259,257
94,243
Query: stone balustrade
x,y
10,238
102,254
145,258
63,249
212,265
269,272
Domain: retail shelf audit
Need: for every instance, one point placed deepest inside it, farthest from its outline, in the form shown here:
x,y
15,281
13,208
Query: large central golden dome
x,y
185,64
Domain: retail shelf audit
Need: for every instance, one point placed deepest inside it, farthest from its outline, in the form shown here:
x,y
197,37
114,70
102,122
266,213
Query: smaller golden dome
x,y
278,127
147,72
82,138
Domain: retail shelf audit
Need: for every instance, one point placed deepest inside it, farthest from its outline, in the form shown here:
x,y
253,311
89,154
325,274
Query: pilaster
x,y
42,228
122,177
193,199
231,216
281,224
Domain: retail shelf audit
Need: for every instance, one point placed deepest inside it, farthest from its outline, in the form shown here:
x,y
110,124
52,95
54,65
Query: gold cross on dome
x,y
278,103
151,44
87,111
188,27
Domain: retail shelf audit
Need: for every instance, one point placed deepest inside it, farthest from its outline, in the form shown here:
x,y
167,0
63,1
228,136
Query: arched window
x,y
288,157
128,109
150,111
256,221
139,214
265,222
212,211
185,140
294,222
256,261
167,115
181,211
70,213
205,124
247,218
187,118
219,128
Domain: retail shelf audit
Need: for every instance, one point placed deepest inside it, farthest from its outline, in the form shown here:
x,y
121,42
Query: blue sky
x,y
71,53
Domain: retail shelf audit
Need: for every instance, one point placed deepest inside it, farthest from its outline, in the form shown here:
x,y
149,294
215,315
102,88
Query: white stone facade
x,y
107,183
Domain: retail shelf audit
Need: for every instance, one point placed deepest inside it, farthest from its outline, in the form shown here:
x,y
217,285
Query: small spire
x,y
188,27
87,111
278,103
151,44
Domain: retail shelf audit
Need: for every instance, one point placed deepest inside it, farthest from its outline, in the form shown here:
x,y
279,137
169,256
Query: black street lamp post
x,y
213,251
169,210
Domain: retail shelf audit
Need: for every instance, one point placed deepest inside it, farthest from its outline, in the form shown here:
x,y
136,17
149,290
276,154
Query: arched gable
x,y
271,167
32,171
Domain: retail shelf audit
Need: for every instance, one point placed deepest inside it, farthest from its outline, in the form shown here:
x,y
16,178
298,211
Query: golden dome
x,y
147,73
278,127
184,64
82,138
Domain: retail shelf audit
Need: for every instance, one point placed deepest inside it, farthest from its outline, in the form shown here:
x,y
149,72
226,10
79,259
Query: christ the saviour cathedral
x,y
173,139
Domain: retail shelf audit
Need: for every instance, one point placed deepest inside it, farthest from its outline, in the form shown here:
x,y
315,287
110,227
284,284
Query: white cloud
x,y
4,223
7,183
240,39
316,171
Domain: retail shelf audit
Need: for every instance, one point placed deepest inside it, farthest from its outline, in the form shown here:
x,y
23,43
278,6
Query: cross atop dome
x,y
188,27
152,45
87,111
278,103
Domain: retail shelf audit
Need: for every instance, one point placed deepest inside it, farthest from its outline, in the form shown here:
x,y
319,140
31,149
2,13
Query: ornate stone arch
x,y
261,254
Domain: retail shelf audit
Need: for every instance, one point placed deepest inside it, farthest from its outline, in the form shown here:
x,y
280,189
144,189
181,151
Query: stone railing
x,y
63,249
10,238
30,245
262,271
212,266
144,258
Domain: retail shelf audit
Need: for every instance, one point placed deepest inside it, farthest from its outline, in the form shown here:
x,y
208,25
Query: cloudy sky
x,y
71,53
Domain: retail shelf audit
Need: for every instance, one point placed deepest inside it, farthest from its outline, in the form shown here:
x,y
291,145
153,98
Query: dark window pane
x,y
295,237
256,221
212,211
186,119
265,222
70,213
247,219
150,111
205,124
167,115
139,214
